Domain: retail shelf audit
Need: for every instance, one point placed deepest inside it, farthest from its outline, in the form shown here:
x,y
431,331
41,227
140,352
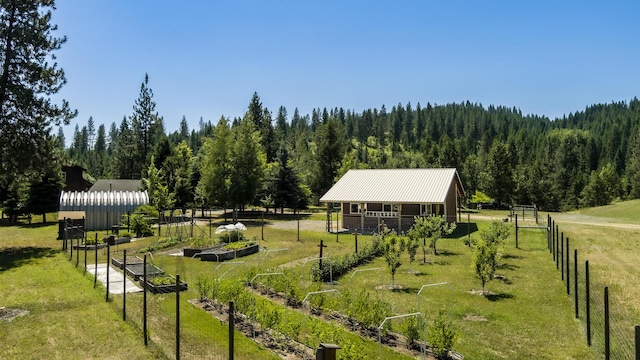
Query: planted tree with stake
x,y
393,248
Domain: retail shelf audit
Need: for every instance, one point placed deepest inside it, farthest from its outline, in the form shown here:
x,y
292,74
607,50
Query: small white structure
x,y
103,208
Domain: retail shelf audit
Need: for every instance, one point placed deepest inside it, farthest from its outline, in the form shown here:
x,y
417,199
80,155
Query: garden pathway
x,y
115,279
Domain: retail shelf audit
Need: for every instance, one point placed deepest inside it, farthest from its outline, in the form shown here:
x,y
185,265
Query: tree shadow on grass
x,y
15,257
406,290
509,256
463,230
498,296
447,253
506,266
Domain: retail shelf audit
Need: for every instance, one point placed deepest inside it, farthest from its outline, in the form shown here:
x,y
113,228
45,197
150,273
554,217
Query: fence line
x,y
605,320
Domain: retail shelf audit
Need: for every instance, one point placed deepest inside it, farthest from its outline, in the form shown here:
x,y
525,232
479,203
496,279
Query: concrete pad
x,y
116,279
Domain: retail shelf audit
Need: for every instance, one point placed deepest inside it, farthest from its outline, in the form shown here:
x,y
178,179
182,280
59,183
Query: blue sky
x,y
206,58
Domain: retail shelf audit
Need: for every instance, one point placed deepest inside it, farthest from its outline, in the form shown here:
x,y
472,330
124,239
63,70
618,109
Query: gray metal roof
x,y
117,185
393,186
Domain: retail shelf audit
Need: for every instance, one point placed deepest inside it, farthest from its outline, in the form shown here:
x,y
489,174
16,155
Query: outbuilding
x,y
394,197
103,209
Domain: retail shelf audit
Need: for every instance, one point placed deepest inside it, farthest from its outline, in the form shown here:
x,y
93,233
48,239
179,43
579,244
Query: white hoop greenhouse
x,y
103,208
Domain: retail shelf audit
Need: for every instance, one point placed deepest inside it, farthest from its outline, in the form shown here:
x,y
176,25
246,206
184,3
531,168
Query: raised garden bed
x,y
137,270
163,284
191,252
119,263
89,247
118,241
222,254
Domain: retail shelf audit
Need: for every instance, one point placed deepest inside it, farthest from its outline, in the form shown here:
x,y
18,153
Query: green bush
x,y
441,335
201,243
231,236
163,280
413,327
337,266
159,245
238,245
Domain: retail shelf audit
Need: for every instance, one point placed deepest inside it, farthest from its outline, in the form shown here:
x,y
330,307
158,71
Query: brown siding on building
x,y
346,209
450,203
411,209
374,207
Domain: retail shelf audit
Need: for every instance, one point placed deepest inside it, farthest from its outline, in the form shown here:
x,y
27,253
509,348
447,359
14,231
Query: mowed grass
x,y
527,315
609,238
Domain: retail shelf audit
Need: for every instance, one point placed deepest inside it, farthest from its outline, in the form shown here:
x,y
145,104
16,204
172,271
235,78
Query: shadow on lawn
x,y
15,257
499,296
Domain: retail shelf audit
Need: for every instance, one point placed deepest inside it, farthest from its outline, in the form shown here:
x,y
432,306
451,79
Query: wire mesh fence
x,y
608,323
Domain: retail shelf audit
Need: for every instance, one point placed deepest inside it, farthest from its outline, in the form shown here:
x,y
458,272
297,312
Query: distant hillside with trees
x,y
279,160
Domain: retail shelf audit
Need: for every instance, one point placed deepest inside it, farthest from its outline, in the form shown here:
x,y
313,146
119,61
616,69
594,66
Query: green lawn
x,y
528,314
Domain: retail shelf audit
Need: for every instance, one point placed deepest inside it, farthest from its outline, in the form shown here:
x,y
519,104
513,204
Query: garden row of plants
x,y
360,313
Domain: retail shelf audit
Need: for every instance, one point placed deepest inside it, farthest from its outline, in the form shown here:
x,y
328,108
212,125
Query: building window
x,y
355,208
426,209
389,207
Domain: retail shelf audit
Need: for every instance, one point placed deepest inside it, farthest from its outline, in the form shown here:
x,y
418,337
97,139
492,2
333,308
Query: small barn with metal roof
x,y
369,197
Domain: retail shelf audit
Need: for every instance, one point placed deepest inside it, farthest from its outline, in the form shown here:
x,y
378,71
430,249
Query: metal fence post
x,y
575,282
108,261
177,317
568,271
78,252
231,326
607,347
144,301
124,285
588,301
637,341
561,257
85,255
516,231
95,265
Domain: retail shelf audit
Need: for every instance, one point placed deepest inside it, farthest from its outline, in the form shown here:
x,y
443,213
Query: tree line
x,y
283,160
584,159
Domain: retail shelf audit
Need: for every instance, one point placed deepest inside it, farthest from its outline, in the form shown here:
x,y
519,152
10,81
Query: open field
x,y
528,314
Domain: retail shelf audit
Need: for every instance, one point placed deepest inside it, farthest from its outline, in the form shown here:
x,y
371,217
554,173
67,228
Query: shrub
x,y
337,266
412,327
201,243
238,245
441,335
231,236
159,245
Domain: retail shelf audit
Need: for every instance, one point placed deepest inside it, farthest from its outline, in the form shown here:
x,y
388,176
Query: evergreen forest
x,y
288,160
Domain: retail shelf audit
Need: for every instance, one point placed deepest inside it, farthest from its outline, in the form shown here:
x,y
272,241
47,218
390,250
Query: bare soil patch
x,y
9,314
473,317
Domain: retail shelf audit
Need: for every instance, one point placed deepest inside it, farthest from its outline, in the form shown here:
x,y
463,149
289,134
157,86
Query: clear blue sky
x,y
206,58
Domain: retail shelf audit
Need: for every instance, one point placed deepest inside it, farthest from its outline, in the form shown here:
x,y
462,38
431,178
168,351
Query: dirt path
x,y
571,218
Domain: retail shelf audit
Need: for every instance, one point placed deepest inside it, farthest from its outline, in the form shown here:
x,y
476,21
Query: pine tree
x,y
29,77
146,126
216,165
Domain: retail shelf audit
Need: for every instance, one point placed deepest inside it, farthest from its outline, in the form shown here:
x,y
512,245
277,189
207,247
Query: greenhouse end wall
x,y
103,208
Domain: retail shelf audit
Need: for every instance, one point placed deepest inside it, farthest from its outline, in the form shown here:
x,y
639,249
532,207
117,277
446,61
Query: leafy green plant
x,y
238,245
204,284
412,327
162,280
160,244
231,236
125,234
352,351
441,335
201,243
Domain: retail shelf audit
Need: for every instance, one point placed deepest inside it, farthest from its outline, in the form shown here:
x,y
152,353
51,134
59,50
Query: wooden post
x,y
322,245
355,234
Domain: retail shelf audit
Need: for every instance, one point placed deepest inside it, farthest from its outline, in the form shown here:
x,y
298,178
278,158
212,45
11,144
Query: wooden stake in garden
x,y
355,234
322,245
